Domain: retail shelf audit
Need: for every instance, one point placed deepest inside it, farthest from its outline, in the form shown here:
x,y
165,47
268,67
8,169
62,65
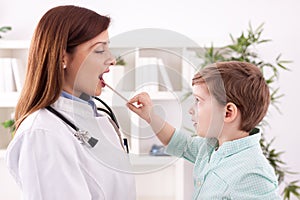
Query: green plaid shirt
x,y
236,170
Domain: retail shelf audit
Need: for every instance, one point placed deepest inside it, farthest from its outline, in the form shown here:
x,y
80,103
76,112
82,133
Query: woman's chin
x,y
98,91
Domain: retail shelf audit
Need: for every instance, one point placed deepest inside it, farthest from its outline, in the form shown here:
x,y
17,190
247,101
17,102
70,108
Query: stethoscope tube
x,y
108,111
113,117
58,114
83,136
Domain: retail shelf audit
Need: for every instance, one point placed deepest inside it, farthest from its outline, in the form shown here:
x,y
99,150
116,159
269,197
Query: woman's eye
x,y
99,51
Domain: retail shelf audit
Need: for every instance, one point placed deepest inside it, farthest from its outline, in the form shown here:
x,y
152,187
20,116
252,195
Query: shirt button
x,y
198,183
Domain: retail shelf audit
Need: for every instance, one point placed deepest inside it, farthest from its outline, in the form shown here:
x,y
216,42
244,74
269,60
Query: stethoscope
x,y
82,135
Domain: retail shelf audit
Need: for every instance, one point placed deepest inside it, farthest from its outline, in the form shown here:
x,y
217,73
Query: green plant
x,y
120,61
243,48
4,29
9,124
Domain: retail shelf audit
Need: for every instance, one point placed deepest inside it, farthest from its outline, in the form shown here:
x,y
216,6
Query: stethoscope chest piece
x,y
85,138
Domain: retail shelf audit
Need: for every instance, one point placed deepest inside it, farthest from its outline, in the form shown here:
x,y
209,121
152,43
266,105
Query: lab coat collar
x,y
75,107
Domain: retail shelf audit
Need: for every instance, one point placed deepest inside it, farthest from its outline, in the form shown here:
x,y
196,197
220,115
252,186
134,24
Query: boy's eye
x,y
198,100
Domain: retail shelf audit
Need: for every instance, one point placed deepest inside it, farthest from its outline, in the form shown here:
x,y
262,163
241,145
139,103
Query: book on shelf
x,y
7,81
165,77
2,75
190,64
18,72
146,74
12,75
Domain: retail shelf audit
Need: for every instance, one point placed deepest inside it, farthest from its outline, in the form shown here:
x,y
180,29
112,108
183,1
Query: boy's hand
x,y
144,106
144,109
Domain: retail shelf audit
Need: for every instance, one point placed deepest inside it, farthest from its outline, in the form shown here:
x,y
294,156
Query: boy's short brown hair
x,y
241,83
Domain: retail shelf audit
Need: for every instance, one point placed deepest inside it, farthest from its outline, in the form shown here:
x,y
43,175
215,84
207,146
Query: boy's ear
x,y
231,112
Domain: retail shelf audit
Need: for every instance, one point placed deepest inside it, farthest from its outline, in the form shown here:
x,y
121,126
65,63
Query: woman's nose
x,y
111,60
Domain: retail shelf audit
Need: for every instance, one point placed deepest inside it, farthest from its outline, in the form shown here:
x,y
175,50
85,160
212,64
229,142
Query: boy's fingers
x,y
129,105
132,107
134,99
139,101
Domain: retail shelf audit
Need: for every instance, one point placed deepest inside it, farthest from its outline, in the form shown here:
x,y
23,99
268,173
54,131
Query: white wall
x,y
203,21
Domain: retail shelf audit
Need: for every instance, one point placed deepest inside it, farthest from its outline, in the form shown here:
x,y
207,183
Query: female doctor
x,y
63,147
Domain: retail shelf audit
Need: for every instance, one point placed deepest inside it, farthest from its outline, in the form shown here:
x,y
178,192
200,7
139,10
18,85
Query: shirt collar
x,y
235,146
69,96
86,99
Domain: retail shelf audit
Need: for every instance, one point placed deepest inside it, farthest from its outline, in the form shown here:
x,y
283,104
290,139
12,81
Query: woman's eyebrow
x,y
102,42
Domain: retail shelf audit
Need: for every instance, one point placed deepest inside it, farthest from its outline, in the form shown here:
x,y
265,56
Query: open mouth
x,y
101,80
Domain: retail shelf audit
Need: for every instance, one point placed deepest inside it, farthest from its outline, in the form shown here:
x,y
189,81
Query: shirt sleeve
x,y
186,146
49,169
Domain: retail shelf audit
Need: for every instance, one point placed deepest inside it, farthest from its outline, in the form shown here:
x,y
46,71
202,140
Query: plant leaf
x,y
8,123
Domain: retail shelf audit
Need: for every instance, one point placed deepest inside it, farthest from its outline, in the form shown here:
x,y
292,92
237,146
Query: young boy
x,y
231,98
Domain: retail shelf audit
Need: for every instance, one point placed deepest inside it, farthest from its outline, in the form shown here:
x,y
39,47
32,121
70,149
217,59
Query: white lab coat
x,y
48,162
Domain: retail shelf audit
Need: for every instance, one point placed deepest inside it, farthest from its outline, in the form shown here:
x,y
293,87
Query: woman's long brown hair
x,y
60,30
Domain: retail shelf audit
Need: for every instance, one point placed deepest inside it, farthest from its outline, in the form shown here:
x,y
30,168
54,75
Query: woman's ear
x,y
65,59
231,112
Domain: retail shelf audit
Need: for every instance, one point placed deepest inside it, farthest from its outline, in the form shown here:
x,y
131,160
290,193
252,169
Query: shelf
x,y
144,164
9,99
147,160
14,44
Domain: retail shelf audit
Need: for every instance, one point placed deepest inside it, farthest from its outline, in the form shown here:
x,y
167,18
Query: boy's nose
x,y
191,110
